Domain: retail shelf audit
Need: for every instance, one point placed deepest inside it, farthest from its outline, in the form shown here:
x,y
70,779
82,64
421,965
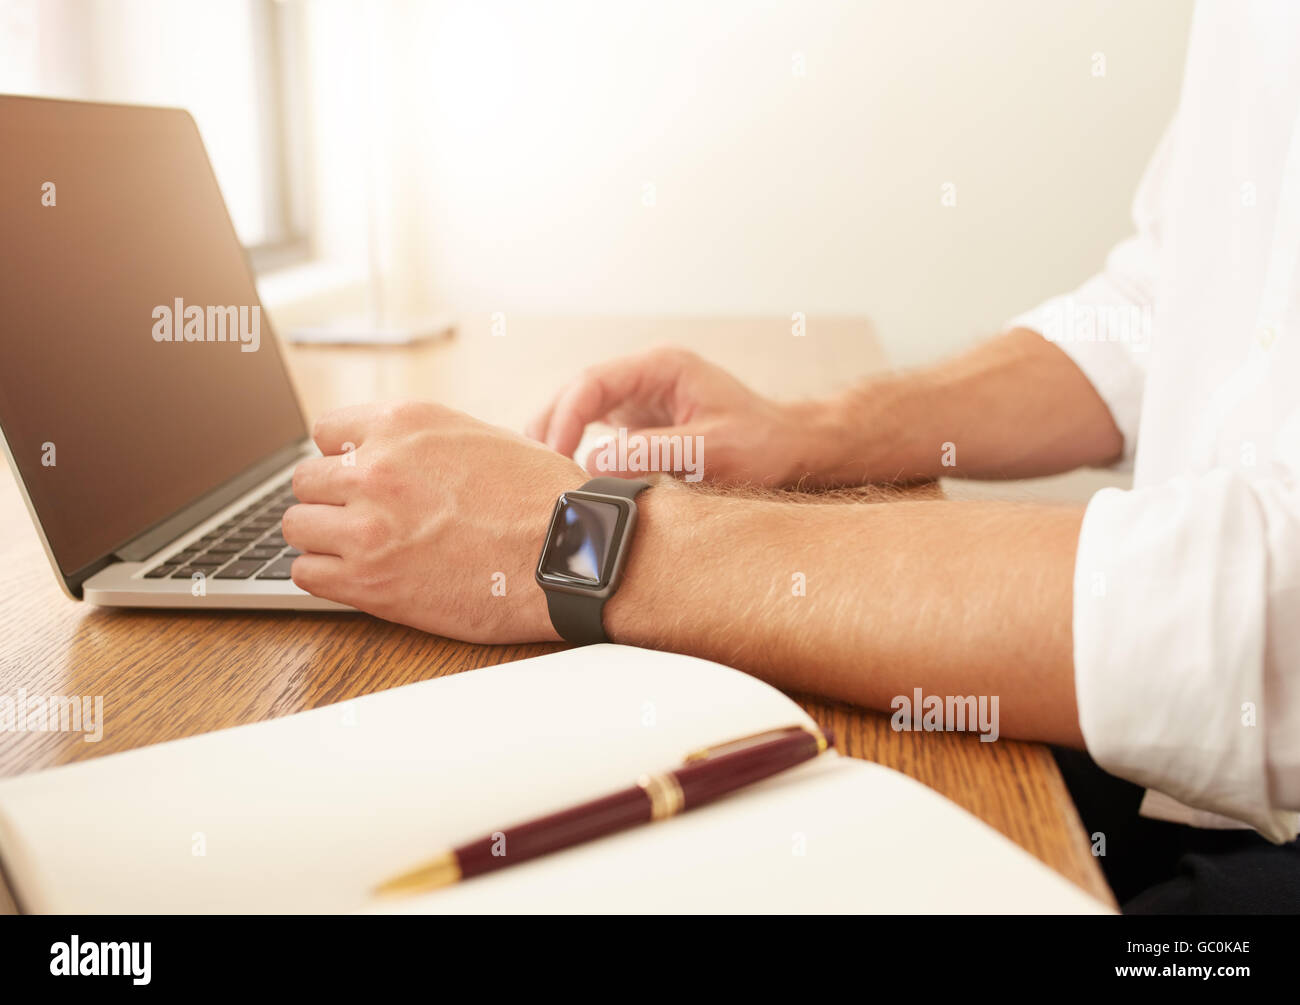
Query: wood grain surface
x,y
169,675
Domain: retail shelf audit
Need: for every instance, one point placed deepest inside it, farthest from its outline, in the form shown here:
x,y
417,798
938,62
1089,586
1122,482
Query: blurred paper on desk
x,y
362,331
310,812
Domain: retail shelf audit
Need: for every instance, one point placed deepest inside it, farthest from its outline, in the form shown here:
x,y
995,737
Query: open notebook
x,y
308,813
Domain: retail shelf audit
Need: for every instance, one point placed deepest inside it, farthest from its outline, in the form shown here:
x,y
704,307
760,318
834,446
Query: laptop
x,y
145,407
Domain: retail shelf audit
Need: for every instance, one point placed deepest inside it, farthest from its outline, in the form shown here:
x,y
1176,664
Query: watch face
x,y
581,545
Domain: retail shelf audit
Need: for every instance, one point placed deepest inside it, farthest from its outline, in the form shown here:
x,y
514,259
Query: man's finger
x,y
321,576
593,396
664,457
321,479
344,429
316,528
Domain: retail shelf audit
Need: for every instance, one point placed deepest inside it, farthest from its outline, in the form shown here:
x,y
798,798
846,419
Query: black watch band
x,y
578,617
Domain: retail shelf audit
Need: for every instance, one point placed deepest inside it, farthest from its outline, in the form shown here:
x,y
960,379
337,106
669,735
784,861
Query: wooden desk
x,y
169,675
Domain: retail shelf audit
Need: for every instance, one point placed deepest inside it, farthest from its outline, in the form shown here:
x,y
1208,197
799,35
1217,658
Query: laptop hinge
x,y
144,545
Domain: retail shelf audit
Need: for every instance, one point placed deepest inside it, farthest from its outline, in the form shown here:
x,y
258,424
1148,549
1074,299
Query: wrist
x,y
634,614
861,436
574,588
836,441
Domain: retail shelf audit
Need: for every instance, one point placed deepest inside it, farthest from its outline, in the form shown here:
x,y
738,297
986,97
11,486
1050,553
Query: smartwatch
x,y
582,560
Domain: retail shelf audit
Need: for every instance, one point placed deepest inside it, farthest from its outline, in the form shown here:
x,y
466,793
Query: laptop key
x,y
189,572
225,548
240,570
281,568
262,553
160,572
208,561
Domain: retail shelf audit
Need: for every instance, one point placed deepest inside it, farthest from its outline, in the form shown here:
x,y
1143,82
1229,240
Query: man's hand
x,y
1014,407
423,515
416,509
670,391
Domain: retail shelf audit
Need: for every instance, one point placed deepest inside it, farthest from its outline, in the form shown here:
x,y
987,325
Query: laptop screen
x,y
137,371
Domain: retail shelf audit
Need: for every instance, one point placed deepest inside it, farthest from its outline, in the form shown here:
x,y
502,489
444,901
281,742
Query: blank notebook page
x,y
308,813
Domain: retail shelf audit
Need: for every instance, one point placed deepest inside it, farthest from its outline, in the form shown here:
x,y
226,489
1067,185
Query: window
x,y
231,64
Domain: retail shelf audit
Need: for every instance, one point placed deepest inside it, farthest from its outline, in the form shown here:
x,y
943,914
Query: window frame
x,y
278,65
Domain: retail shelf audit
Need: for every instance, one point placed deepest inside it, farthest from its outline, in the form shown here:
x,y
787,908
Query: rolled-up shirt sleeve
x,y
1186,591
1187,643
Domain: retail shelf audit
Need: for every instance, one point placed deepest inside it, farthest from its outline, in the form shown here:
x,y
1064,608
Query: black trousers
x,y
1157,867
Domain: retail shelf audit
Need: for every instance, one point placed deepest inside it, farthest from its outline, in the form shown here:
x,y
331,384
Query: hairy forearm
x,y
1015,406
956,598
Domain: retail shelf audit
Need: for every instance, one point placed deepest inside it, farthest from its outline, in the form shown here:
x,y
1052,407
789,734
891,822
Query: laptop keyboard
x,y
247,546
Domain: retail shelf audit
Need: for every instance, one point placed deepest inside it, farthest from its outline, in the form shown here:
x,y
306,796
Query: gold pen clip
x,y
741,742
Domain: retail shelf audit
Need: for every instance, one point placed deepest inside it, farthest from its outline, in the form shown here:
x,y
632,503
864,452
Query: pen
x,y
704,776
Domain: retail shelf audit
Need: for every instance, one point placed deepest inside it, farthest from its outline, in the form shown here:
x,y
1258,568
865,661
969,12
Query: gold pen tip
x,y
442,871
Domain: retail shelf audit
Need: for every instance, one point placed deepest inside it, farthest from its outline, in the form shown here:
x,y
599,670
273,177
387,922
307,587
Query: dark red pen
x,y
704,776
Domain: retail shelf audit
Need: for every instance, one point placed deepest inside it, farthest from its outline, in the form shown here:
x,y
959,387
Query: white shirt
x,y
1187,587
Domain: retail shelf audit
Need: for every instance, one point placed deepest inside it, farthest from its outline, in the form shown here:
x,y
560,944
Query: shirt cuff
x,y
1170,603
1108,338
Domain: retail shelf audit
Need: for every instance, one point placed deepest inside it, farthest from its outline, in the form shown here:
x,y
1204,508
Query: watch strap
x,y
628,488
578,617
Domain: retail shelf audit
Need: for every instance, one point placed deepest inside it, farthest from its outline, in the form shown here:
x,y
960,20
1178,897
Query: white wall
x,y
533,130
505,146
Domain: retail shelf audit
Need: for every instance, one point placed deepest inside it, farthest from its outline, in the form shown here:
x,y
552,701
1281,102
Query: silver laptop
x,y
145,407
